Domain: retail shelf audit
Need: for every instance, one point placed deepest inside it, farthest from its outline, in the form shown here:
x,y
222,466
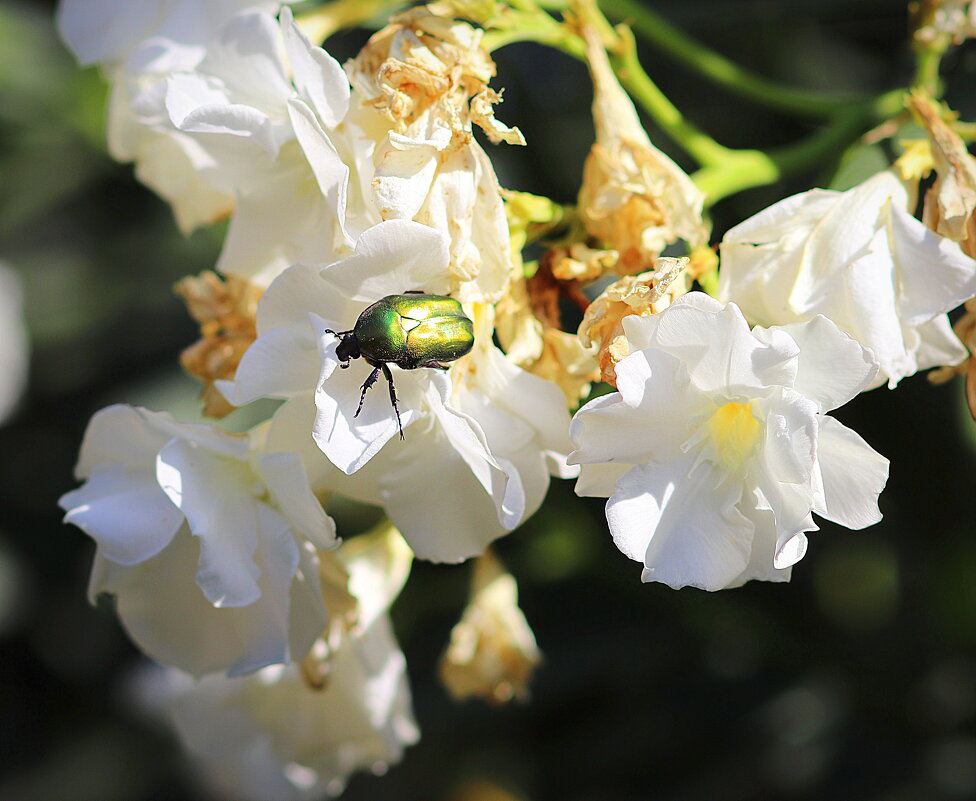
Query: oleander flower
x,y
276,735
257,109
207,544
137,44
716,447
480,440
859,258
146,35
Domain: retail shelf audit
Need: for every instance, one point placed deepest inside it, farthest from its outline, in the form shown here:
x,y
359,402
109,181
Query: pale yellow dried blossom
x,y
427,64
527,320
225,309
634,199
492,652
950,203
566,363
649,293
577,262
965,329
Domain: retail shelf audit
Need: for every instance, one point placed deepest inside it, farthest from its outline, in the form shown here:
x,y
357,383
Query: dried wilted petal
x,y
224,308
649,293
543,349
426,63
951,201
634,199
581,263
566,363
492,652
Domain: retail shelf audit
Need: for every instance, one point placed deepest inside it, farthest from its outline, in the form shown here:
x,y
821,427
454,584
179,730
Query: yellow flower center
x,y
735,433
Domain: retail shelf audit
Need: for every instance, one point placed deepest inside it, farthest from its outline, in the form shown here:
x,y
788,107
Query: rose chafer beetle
x,y
411,330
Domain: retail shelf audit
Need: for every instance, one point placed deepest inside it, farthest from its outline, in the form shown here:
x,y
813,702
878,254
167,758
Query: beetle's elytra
x,y
411,330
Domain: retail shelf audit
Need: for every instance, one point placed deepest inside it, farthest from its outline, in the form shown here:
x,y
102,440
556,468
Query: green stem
x,y
320,23
928,58
717,68
745,169
698,144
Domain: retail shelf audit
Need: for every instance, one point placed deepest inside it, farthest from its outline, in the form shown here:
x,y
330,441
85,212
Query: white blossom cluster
x,y
345,185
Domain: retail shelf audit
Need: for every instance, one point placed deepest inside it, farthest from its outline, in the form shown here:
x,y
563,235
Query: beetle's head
x,y
348,348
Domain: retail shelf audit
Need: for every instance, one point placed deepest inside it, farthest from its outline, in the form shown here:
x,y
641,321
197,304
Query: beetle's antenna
x,y
393,397
337,333
366,385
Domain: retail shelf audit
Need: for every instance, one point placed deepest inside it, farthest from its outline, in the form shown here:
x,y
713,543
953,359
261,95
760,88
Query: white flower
x,y
138,43
273,736
246,112
13,342
480,440
716,448
145,35
208,547
859,258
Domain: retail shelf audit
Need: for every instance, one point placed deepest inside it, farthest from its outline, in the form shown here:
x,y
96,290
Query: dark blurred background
x,y
856,681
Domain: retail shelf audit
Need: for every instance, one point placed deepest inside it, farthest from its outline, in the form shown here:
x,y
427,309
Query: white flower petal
x,y
390,258
597,480
285,477
853,476
126,513
278,364
319,78
103,30
949,277
331,172
681,523
220,514
430,493
298,292
833,367
350,441
713,341
938,344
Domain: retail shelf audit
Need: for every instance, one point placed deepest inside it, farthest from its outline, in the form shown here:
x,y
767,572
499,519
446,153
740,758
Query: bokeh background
x,y
856,681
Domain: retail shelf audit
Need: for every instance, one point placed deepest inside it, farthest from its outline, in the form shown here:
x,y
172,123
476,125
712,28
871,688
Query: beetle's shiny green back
x,y
414,330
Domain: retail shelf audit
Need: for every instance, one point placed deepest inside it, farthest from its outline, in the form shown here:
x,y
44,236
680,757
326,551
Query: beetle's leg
x,y
436,365
366,385
414,292
393,398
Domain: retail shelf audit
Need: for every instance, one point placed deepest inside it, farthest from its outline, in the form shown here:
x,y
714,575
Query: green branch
x,y
692,54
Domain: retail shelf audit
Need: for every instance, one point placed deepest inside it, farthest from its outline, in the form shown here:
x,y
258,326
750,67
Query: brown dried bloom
x,y
965,329
649,293
950,203
225,309
634,199
425,64
492,652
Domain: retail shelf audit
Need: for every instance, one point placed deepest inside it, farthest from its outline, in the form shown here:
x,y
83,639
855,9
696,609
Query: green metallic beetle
x,y
411,330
